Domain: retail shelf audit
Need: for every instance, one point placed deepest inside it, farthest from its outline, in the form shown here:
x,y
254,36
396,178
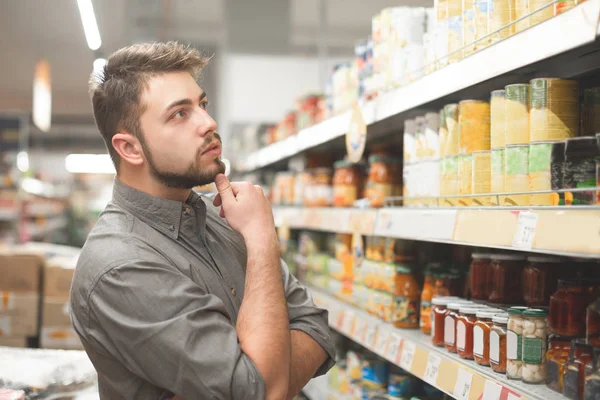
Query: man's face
x,y
178,136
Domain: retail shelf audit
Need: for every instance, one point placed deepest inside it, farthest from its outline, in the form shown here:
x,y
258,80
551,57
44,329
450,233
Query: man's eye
x,y
204,105
179,114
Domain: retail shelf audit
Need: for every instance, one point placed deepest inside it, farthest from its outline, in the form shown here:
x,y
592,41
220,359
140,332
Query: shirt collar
x,y
162,214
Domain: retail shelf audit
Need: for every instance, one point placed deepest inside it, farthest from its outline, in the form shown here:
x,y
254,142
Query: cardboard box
x,y
57,280
14,341
56,312
60,337
20,272
19,313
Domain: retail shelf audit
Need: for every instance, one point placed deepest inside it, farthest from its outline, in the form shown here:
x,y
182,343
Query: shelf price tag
x,y
408,353
526,224
463,384
360,327
433,369
383,336
491,390
348,323
393,349
370,336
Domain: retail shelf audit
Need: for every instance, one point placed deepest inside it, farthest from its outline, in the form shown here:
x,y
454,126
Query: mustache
x,y
209,141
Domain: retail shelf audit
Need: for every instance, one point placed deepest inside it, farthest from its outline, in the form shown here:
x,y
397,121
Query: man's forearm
x,y
263,324
307,357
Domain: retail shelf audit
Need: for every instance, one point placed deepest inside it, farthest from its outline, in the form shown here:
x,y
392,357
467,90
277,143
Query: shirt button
x,y
187,210
233,292
172,228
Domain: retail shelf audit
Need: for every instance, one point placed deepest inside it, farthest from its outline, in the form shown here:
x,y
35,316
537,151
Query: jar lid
x,y
508,257
535,312
403,269
343,164
500,319
489,313
322,170
441,301
481,255
517,310
391,160
455,305
471,309
545,259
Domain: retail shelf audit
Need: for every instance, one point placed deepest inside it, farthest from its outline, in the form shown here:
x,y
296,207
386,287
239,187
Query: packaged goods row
x,y
515,313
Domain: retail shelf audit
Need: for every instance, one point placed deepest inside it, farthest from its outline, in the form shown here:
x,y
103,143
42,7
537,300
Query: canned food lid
x,y
545,259
517,310
508,257
458,304
499,92
535,312
500,319
489,313
481,255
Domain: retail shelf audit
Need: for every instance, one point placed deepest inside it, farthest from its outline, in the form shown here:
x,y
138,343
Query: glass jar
x,y
398,249
506,289
535,334
498,343
481,276
540,279
382,179
302,181
556,357
347,183
320,192
481,335
438,315
407,297
442,286
450,324
568,306
426,296
574,372
514,342
591,388
464,330
592,330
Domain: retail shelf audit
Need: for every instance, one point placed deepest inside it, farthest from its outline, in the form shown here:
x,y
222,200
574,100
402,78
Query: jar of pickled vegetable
x,y
382,179
498,343
592,331
481,276
568,306
535,334
574,371
347,183
506,288
514,342
450,324
556,357
407,297
438,315
481,335
540,279
464,330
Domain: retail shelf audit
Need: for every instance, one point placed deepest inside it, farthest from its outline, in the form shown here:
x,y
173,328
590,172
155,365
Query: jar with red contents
x,y
438,315
574,372
450,324
481,335
506,270
481,276
568,306
464,329
540,277
347,183
557,356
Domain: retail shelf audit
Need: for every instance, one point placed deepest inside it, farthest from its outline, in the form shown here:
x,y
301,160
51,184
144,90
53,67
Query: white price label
x,y
392,352
408,354
348,323
433,369
382,338
360,327
491,390
523,238
463,384
370,336
513,397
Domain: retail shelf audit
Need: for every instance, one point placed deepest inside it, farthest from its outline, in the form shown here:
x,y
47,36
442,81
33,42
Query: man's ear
x,y
128,147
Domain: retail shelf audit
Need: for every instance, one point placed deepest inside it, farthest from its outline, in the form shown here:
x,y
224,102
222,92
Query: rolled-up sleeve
x,y
172,333
305,316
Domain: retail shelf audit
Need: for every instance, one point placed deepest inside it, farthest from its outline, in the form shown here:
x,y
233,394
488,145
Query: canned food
x,y
497,119
540,155
554,111
497,176
453,138
502,14
468,36
516,174
474,126
451,183
482,176
465,176
517,114
482,23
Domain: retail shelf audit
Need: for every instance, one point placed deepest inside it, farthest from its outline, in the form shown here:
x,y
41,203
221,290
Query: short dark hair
x,y
117,88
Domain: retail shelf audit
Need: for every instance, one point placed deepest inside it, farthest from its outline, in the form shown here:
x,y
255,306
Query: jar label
x,y
425,320
494,347
513,346
406,311
461,333
432,318
478,341
377,192
344,195
533,350
449,331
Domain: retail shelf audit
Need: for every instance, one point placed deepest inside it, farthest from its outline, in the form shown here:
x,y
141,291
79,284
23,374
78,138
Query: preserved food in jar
x,y
301,183
383,177
556,357
407,297
591,388
498,343
514,342
450,324
320,192
481,335
592,332
568,306
481,276
438,315
574,372
535,332
540,279
347,184
464,330
375,248
426,296
398,250
506,289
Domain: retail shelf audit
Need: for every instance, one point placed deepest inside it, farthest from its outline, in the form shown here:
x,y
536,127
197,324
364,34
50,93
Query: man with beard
x,y
172,296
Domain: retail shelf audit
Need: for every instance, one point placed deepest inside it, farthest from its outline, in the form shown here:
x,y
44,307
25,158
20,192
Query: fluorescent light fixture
x,y
23,161
99,64
90,27
89,164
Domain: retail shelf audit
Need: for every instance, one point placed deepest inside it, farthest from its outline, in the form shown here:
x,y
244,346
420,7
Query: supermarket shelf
x,y
8,214
568,231
53,225
412,350
532,46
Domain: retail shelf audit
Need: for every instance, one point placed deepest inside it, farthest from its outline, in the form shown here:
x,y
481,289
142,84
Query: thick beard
x,y
192,177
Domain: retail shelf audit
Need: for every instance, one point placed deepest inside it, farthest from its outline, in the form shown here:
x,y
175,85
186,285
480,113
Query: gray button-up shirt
x,y
156,296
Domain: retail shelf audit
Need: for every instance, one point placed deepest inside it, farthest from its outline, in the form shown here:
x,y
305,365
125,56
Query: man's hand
x,y
244,206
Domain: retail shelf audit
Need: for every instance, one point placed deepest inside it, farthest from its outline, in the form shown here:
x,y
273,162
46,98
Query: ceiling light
x,y
23,161
90,26
89,164
99,64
